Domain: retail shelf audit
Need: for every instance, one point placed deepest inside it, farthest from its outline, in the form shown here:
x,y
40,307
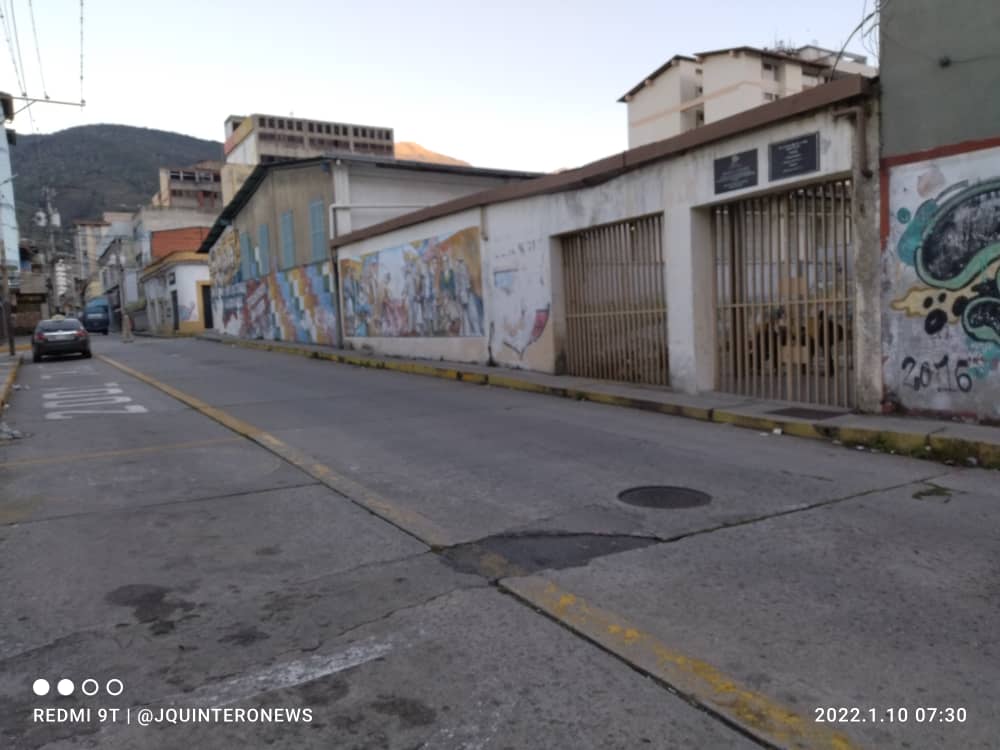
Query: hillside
x,y
416,152
96,168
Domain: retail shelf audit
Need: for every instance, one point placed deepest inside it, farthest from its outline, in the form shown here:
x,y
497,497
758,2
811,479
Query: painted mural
x,y
943,282
432,287
224,259
521,298
293,305
303,307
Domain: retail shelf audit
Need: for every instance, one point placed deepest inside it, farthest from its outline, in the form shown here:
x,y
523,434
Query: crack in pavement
x,y
161,504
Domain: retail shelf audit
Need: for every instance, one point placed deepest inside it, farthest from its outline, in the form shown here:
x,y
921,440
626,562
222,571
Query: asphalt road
x,y
317,555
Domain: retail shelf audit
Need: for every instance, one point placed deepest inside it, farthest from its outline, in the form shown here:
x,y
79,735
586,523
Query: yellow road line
x,y
692,678
8,385
409,521
108,454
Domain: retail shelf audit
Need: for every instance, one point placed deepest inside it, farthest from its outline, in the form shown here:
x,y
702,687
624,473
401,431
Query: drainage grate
x,y
803,413
664,497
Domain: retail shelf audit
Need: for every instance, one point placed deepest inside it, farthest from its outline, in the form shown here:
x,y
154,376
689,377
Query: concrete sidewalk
x,y
939,440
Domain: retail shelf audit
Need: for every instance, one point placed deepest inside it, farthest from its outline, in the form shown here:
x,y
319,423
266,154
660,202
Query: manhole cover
x,y
664,497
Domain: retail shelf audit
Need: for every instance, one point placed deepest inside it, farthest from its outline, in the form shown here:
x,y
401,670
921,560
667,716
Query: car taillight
x,y
39,336
81,334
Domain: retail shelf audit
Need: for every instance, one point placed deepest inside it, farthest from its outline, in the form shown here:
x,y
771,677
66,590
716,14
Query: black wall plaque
x,y
794,157
736,171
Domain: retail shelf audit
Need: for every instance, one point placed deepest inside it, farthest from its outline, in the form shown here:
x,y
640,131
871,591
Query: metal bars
x,y
784,286
616,302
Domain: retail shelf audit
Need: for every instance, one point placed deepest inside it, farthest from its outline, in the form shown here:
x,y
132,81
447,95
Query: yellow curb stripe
x,y
409,521
988,454
8,385
693,678
108,454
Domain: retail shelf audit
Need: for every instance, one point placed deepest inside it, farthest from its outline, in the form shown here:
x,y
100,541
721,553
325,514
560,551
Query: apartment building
x,y
689,91
266,139
198,186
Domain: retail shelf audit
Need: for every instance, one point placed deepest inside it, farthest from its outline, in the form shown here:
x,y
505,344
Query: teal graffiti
x,y
951,243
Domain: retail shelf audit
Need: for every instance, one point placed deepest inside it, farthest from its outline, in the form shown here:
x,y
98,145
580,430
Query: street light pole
x,y
7,324
126,323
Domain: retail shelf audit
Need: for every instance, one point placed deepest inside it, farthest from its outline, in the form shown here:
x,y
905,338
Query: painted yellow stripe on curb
x,y
108,454
691,677
409,521
9,382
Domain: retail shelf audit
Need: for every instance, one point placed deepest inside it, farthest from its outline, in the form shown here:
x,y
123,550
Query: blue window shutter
x,y
264,239
287,240
317,230
246,261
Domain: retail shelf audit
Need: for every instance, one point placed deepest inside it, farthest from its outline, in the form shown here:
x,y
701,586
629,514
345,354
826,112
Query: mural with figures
x,y
942,273
432,287
521,299
293,305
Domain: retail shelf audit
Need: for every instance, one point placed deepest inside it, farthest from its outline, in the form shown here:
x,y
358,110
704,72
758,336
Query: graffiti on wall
x,y
258,310
229,309
521,297
187,312
224,259
432,287
302,304
293,305
945,233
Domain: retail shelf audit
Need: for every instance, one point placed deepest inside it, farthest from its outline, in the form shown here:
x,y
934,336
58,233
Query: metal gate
x,y
784,295
616,302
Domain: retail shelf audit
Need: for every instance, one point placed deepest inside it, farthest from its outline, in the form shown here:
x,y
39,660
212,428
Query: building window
x,y
312,128
287,240
298,125
770,97
316,230
264,249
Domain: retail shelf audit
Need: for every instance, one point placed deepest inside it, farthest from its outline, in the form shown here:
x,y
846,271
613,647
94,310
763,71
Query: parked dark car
x,y
96,316
59,336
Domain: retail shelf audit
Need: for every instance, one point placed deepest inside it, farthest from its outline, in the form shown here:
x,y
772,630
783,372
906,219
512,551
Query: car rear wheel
x,y
105,331
36,357
86,354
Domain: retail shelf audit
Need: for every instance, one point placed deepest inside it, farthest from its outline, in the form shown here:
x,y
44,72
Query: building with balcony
x,y
198,187
687,92
266,139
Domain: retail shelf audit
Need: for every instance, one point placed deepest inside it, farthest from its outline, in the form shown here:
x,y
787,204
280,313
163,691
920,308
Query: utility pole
x,y
126,322
7,324
52,221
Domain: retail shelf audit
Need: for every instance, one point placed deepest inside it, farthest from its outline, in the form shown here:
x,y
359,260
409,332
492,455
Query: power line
x,y
82,100
879,5
17,42
38,51
13,57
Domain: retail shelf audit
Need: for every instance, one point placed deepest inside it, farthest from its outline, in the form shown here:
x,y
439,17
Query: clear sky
x,y
514,84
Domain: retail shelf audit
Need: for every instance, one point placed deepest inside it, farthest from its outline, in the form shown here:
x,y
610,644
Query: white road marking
x,y
75,401
280,676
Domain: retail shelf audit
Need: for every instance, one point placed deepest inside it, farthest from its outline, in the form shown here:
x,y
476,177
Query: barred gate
x,y
616,302
784,295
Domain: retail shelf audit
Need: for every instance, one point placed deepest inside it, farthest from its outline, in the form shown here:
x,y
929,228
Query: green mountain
x,y
96,168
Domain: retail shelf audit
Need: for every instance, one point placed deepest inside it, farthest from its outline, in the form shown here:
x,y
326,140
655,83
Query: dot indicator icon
x,y
65,687
40,687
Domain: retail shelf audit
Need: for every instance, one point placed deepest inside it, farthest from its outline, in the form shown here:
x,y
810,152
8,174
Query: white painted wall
x,y
522,237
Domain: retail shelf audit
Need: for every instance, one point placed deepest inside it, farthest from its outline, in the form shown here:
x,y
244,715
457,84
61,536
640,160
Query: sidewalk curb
x,y
916,444
8,385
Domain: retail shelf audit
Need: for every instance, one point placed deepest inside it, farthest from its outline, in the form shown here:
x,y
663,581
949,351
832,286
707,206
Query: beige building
x,y
266,139
687,92
198,186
